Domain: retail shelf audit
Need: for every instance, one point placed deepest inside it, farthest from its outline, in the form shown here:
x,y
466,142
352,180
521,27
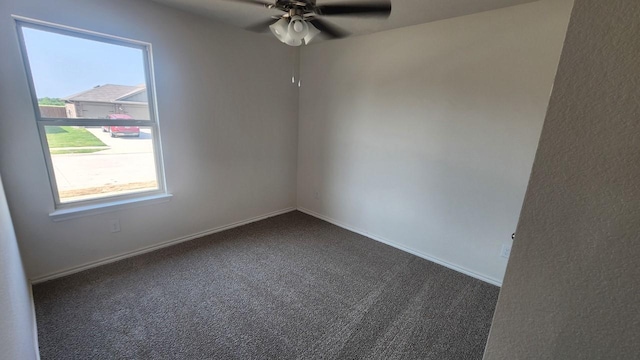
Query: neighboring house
x,y
107,99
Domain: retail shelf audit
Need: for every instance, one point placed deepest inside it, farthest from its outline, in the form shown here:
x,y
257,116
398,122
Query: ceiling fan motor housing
x,y
297,7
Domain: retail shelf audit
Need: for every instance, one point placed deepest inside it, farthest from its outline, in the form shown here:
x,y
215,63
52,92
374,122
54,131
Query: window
x,y
94,103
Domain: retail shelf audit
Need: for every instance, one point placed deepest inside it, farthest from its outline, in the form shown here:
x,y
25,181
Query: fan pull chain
x,y
296,68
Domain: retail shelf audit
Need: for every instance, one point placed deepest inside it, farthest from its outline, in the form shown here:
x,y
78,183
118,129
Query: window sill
x,y
88,210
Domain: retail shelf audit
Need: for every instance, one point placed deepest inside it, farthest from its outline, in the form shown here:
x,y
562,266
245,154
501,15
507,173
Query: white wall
x,y
424,136
228,128
17,328
572,285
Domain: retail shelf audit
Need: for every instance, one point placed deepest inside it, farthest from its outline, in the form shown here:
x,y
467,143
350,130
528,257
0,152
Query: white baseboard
x,y
34,322
147,249
444,263
150,248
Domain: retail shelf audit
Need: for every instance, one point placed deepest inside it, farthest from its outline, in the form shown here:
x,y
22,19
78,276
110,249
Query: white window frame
x,y
77,208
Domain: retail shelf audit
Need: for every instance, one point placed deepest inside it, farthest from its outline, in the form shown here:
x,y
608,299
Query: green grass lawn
x,y
70,136
74,151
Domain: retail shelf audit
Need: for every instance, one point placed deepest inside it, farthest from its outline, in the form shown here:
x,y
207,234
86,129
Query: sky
x,y
64,65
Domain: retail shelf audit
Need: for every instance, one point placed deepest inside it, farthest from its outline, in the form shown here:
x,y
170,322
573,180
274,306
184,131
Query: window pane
x,y
94,162
80,78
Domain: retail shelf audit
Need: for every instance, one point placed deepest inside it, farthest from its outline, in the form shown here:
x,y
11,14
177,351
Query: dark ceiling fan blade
x,y
261,26
382,9
328,29
255,2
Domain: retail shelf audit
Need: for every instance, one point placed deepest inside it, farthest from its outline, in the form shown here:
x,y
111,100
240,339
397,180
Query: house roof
x,y
106,93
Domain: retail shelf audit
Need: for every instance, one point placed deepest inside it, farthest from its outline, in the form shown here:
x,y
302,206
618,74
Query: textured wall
x,y
425,135
17,325
571,287
229,132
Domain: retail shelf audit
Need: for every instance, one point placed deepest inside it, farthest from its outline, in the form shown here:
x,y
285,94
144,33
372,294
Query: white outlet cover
x,y
506,251
114,226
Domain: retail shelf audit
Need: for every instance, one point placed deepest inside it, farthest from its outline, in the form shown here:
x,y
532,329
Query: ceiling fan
x,y
301,21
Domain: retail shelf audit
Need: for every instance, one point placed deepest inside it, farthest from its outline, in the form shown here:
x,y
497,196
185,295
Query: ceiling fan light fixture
x,y
294,31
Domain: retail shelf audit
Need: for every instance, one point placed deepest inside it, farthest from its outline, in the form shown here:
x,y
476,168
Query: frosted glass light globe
x,y
298,28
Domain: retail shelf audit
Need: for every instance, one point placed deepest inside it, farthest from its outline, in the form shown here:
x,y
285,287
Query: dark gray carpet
x,y
289,287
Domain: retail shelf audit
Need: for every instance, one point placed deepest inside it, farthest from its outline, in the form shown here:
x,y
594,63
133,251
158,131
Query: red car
x,y
121,130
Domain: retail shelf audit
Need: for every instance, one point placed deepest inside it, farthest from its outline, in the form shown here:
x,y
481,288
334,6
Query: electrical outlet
x,y
114,226
506,251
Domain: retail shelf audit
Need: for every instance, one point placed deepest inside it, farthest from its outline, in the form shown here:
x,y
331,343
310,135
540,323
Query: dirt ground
x,y
67,194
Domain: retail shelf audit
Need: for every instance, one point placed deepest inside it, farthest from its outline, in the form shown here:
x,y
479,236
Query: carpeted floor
x,y
288,287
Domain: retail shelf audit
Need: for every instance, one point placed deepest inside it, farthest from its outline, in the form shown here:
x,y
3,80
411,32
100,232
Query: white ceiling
x,y
404,12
